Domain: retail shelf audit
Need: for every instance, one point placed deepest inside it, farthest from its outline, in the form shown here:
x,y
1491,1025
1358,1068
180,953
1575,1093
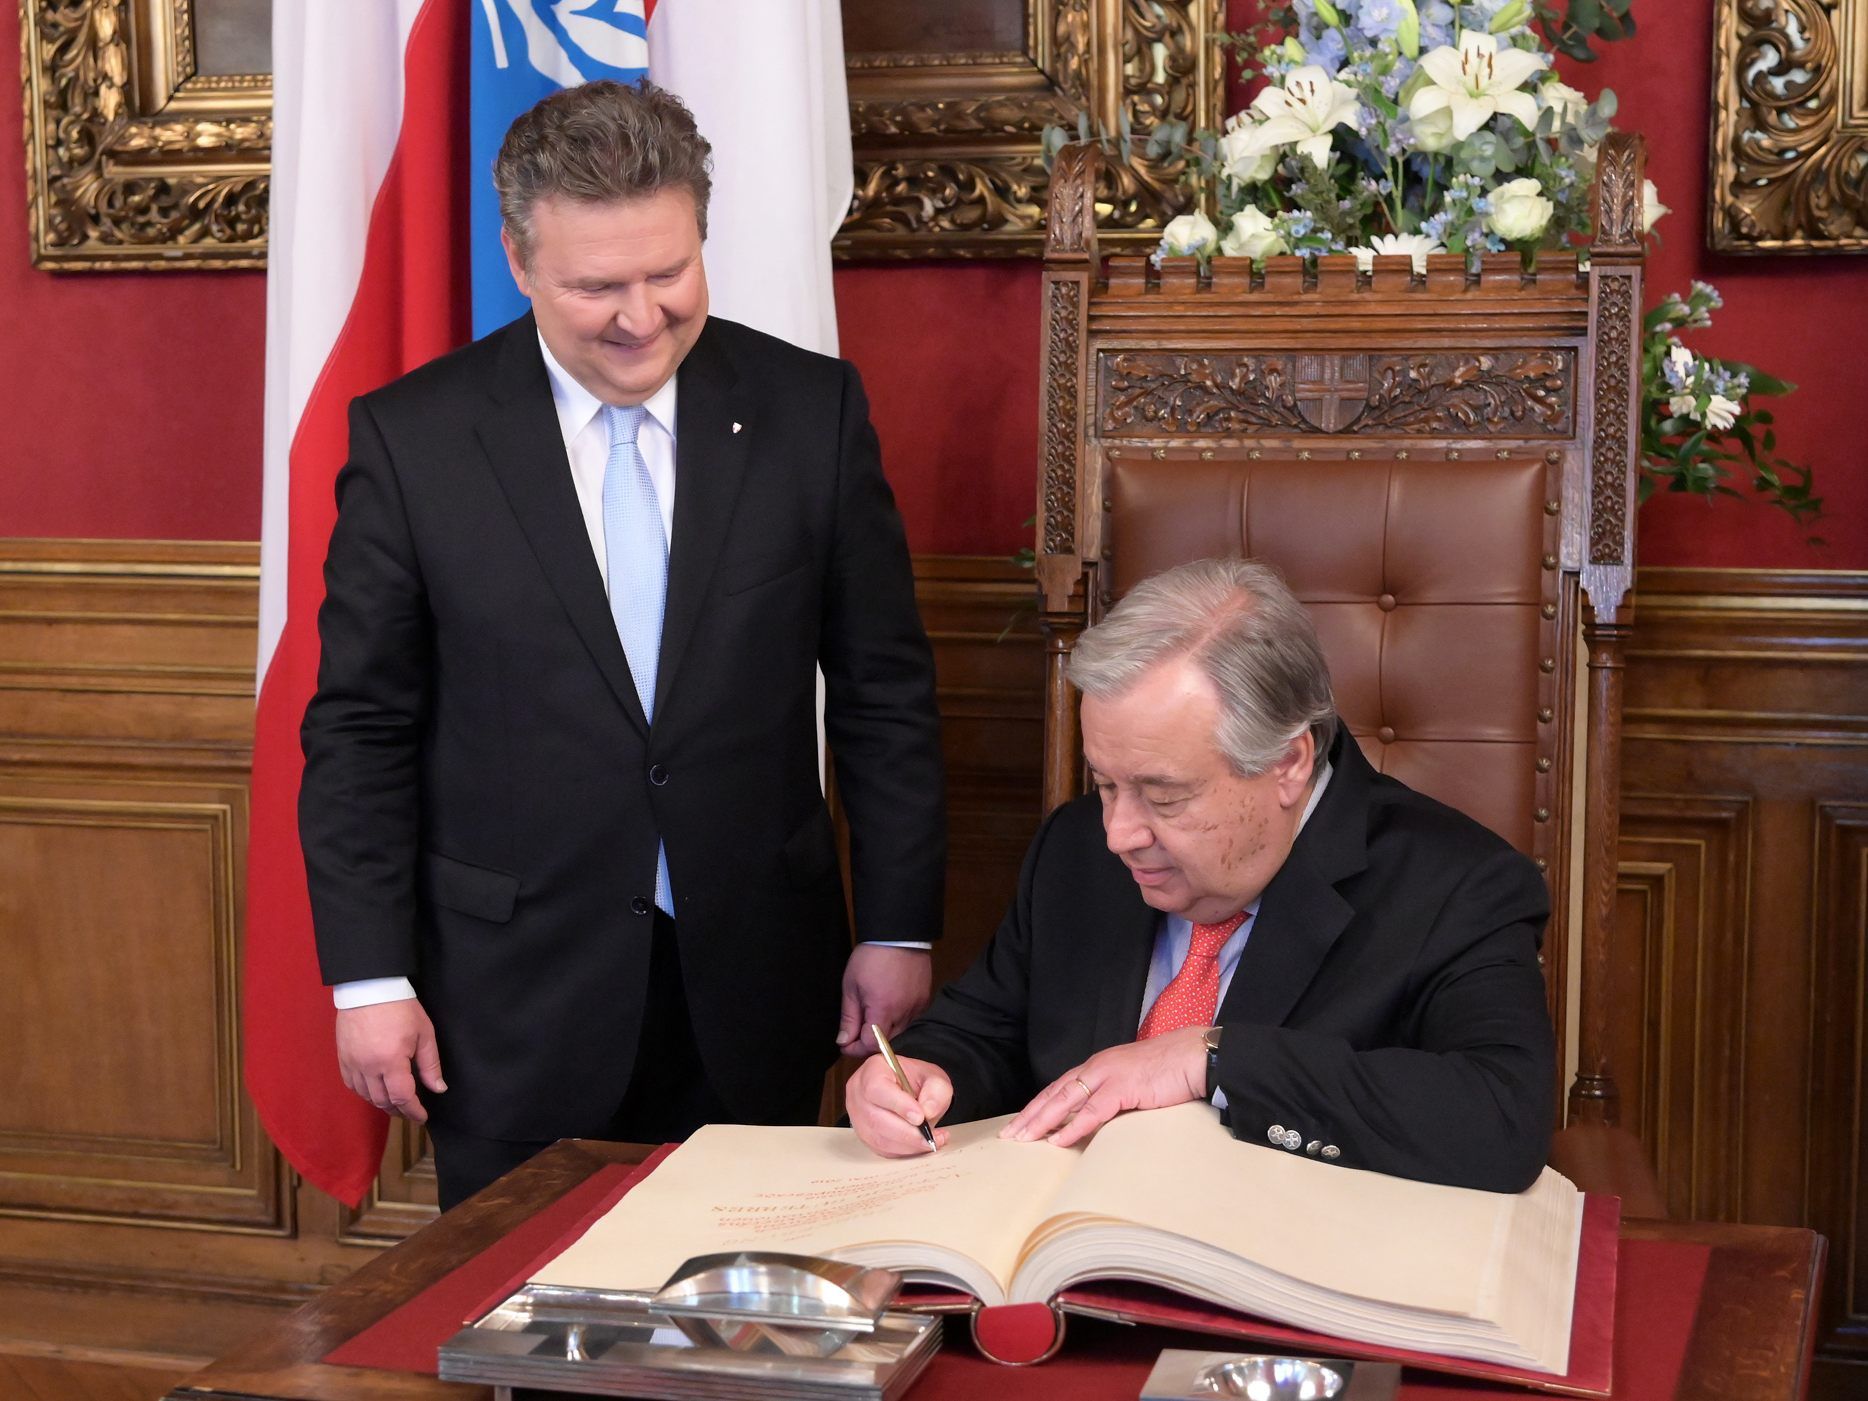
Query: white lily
x,y
1476,81
1681,405
1651,207
1303,113
1720,414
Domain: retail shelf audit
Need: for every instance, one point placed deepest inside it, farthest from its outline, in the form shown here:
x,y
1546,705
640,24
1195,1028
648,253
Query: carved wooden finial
x,y
1621,163
1070,218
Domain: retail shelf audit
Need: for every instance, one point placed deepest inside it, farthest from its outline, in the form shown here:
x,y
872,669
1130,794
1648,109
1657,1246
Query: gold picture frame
x,y
1789,127
133,160
136,161
948,145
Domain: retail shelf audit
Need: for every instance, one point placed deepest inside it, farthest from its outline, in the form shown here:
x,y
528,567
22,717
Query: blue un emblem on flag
x,y
524,50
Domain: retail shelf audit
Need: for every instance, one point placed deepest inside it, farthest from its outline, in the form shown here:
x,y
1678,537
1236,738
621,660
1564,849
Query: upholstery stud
x,y
1552,507
1550,561
1542,814
1549,610
1255,454
1545,715
1160,452
1547,665
1553,457
1386,734
1504,454
1543,765
1206,454
1402,455
1452,454
1386,603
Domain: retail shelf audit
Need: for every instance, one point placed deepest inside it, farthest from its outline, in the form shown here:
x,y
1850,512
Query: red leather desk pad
x,y
1657,1298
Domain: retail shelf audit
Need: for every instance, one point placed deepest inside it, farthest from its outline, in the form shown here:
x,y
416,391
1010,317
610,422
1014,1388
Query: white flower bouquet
x,y
1426,126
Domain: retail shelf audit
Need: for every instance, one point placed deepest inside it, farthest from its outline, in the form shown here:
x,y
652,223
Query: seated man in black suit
x,y
1245,911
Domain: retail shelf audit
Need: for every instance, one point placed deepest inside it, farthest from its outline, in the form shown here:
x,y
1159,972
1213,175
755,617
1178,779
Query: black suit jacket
x,y
482,796
1388,1000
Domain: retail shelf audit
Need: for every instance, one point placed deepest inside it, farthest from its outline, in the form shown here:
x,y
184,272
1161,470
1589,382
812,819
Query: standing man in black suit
x,y
562,812
1245,912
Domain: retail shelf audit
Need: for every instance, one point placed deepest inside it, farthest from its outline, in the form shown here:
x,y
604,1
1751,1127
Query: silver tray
x,y
617,1343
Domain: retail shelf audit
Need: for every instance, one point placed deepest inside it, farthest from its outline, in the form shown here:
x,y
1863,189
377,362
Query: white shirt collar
x,y
1316,793
577,406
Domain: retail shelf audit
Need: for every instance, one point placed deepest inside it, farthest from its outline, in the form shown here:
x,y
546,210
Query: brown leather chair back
x,y
1424,581
1442,468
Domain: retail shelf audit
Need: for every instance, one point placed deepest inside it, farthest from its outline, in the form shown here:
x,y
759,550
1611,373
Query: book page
x,y
1169,1197
1362,1233
960,1215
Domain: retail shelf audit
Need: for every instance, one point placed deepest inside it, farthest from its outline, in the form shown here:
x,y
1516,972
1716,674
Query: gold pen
x,y
901,1078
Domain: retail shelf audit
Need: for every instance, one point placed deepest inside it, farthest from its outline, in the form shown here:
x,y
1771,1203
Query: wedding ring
x,y
1085,1088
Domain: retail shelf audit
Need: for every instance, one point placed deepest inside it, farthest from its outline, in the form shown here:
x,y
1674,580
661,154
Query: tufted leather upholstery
x,y
1425,582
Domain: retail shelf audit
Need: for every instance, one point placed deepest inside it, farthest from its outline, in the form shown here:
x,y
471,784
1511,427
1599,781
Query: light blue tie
x,y
637,554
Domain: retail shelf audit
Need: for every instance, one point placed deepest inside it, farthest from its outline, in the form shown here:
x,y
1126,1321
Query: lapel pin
x,y
736,428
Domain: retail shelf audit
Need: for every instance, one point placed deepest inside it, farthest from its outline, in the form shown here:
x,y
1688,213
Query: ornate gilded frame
x,y
1789,127
949,146
136,162
132,159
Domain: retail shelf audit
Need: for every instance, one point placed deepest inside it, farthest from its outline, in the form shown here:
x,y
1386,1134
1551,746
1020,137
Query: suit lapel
x,y
1121,966
1301,914
714,432
525,446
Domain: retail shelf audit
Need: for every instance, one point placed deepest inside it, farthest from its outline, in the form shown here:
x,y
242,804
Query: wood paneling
x,y
981,616
125,716
144,1215
1742,921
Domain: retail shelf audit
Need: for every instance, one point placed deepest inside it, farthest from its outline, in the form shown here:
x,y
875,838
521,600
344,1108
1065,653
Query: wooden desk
x,y
1752,1338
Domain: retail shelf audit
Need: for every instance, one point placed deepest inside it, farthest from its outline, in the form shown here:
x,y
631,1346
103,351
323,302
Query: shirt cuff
x,y
367,992
921,944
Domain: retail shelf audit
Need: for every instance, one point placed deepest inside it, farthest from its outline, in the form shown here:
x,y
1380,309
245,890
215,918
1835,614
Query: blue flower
x,y
1328,51
1378,19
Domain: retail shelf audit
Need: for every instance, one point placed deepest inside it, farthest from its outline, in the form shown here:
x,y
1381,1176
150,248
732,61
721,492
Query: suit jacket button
x,y
1332,1152
658,775
1311,1148
1292,1138
1275,1133
639,906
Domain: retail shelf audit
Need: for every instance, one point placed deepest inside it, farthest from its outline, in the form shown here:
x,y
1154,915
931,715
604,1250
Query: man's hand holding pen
x,y
894,1120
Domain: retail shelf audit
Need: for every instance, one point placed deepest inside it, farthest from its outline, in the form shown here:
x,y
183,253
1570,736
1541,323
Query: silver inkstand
x,y
1181,1375
749,1323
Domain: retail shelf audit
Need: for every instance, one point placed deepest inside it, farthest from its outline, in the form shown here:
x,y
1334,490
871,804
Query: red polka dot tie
x,y
1192,998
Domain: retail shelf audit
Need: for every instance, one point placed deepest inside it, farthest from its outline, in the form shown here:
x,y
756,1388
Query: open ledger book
x,y
1165,1197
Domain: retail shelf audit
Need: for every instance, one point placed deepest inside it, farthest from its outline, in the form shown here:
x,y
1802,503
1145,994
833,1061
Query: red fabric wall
x,y
133,400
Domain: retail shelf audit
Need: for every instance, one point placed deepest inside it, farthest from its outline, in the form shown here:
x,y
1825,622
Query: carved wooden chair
x,y
1443,468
